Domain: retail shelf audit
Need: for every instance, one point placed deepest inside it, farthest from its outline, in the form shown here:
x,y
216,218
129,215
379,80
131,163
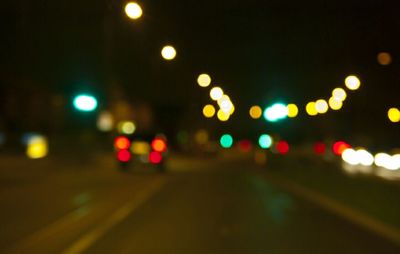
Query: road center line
x,y
373,225
87,240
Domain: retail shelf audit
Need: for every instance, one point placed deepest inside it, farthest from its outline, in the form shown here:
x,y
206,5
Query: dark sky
x,y
258,51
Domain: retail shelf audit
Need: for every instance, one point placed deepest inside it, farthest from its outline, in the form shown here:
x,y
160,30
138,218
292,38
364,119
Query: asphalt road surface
x,y
198,206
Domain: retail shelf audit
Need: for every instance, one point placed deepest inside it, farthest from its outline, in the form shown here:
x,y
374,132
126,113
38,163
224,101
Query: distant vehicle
x,y
141,149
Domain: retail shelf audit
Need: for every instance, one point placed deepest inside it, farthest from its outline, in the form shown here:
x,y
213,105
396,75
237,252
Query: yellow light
x,y
204,80
335,104
225,104
352,82
310,109
255,112
339,94
384,58
232,110
168,52
37,148
321,106
293,110
209,111
140,147
222,116
394,115
133,10
126,127
105,121
216,93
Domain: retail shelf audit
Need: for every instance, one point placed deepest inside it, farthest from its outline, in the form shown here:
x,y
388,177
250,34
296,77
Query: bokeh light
x,y
282,147
159,145
168,52
384,58
85,102
245,145
133,10
155,157
339,147
37,147
352,82
226,141
276,112
335,104
310,109
105,121
204,80
319,148
292,110
216,93
339,94
222,116
349,155
321,106
394,115
255,112
121,143
208,110
126,127
364,157
265,141
124,155
201,137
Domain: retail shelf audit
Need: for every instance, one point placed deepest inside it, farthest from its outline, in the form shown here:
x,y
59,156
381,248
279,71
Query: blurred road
x,y
199,206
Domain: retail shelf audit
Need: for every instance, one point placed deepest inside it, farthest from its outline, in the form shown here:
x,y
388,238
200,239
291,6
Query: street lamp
x,y
133,10
168,52
85,102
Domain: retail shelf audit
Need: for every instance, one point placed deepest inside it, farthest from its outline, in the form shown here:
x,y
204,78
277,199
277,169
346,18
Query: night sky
x,y
259,52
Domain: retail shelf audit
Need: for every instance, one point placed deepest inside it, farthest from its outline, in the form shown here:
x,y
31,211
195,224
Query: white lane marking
x,y
52,229
373,225
87,240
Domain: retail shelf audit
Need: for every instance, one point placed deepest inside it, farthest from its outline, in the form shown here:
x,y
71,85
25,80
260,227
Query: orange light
x,y
122,143
159,145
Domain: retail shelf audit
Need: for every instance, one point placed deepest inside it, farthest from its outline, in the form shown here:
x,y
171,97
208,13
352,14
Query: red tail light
x,y
155,157
124,155
283,147
122,143
159,145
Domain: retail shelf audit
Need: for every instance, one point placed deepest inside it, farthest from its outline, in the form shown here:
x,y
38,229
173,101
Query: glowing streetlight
x,y
216,93
255,112
352,82
335,104
133,10
293,110
168,52
310,109
204,80
85,102
209,111
321,106
339,94
394,115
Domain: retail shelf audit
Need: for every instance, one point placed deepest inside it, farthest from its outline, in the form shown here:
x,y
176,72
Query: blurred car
x,y
141,149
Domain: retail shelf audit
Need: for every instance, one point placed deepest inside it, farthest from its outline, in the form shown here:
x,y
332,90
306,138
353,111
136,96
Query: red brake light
x,y
122,143
159,145
155,157
339,147
283,147
124,155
